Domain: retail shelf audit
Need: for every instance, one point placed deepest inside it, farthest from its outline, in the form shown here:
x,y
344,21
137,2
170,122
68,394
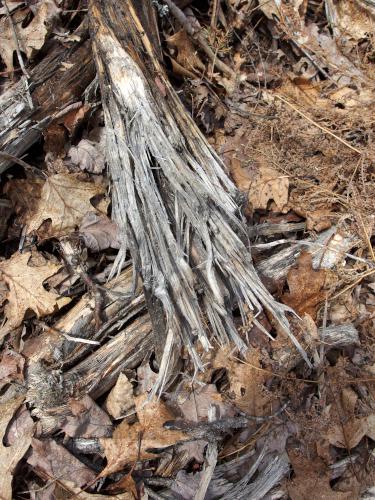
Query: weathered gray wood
x,y
170,186
59,369
55,83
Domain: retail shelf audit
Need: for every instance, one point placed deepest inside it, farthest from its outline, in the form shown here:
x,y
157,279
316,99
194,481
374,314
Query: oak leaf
x,y
262,186
64,200
30,38
246,380
306,287
136,442
10,455
99,232
26,292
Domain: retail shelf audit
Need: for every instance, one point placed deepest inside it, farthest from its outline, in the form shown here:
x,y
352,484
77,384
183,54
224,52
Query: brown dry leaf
x,y
195,405
351,19
99,232
23,193
64,200
11,367
74,118
32,37
246,383
26,290
120,400
187,56
132,442
306,287
20,425
10,455
54,461
311,476
266,185
349,434
88,420
88,155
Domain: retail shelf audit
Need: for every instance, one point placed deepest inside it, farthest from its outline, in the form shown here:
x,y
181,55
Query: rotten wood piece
x,y
59,369
55,83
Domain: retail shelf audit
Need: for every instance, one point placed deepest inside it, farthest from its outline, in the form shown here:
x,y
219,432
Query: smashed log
x,y
57,82
178,211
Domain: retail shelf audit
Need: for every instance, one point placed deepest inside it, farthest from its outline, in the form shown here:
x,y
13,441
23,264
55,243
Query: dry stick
x,y
21,163
215,11
19,56
372,271
325,130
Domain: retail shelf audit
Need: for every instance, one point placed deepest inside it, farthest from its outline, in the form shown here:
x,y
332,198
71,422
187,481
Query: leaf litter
x,y
293,122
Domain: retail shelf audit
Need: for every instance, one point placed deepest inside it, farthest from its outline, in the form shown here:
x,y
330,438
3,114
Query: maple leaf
x,y
306,287
64,200
26,290
10,455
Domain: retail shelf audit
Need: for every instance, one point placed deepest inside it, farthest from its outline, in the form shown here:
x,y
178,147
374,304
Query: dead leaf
x,y
32,37
88,155
120,400
24,194
88,420
247,389
186,54
146,378
132,442
54,140
10,455
26,290
54,461
311,476
353,19
20,425
74,118
262,186
64,200
347,435
306,287
195,405
11,367
99,232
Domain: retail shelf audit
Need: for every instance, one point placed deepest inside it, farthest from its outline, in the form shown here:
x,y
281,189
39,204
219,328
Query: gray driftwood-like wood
x,y
58,81
333,336
59,369
169,187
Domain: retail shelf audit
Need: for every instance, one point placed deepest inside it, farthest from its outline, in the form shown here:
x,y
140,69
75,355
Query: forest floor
x,y
290,110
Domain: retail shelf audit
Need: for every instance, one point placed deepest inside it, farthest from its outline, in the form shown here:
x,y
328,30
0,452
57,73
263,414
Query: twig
x,y
364,275
325,130
215,11
19,55
21,163
67,336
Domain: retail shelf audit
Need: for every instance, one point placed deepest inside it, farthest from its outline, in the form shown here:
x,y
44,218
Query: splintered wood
x,y
176,207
